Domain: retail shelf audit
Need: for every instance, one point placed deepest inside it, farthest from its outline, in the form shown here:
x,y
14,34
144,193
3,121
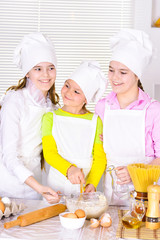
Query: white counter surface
x,y
52,229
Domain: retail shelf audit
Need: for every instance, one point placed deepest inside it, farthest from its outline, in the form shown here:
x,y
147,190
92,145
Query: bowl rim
x,y
87,197
85,194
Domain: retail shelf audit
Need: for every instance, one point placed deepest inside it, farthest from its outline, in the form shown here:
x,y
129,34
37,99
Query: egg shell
x,y
7,212
105,220
6,201
70,215
2,206
80,213
94,223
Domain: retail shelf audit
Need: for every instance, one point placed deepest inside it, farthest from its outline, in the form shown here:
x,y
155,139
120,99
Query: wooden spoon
x,y
81,190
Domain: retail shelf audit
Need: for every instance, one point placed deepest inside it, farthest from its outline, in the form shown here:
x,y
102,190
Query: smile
x,y
65,97
117,84
45,81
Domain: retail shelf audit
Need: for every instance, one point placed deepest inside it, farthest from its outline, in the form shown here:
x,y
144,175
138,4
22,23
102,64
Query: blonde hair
x,y
22,83
52,95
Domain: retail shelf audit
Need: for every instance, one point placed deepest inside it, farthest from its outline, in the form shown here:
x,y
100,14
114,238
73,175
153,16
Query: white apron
x,y
74,138
124,143
28,152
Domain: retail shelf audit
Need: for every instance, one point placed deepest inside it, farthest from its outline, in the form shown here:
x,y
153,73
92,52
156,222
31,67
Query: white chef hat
x,y
89,76
132,48
34,48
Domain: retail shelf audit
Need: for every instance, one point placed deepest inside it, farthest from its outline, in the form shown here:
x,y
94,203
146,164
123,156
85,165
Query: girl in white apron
x,y
21,112
131,119
71,142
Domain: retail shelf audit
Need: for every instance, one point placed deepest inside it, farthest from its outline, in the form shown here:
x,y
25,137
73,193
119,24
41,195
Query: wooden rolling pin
x,y
36,216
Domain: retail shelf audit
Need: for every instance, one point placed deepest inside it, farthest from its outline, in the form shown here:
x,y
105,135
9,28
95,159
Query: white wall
x,y
146,13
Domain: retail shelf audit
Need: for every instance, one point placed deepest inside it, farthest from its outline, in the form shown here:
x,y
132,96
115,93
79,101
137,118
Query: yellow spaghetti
x,y
143,175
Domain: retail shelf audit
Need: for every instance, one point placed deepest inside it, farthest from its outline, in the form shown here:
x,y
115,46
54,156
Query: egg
x,y
105,220
80,213
94,223
6,201
65,215
70,215
2,206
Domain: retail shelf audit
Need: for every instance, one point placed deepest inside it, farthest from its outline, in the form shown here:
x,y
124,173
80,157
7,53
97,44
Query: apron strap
x,y
94,120
107,106
54,115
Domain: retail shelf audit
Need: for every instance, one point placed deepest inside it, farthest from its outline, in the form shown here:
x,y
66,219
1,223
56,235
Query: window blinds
x,y
80,30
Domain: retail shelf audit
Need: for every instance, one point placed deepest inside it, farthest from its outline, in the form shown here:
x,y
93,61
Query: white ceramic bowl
x,y
71,223
94,204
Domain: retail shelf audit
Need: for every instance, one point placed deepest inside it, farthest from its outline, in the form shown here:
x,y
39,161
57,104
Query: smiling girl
x,y
22,109
131,119
70,135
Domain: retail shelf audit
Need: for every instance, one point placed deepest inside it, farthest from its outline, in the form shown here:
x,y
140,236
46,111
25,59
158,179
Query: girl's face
x,y
72,96
122,79
43,76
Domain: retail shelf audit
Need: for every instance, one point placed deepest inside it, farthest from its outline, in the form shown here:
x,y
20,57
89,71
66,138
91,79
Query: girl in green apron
x,y
70,135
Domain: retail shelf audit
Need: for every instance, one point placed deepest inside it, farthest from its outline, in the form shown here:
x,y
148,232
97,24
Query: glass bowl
x,y
94,204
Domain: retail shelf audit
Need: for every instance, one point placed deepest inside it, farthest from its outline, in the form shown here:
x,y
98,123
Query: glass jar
x,y
121,191
133,218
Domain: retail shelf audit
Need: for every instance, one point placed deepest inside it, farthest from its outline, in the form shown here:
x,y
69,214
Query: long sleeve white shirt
x,y
20,130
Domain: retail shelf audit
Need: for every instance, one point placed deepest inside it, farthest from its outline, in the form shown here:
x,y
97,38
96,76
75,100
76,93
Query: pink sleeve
x,y
100,107
156,130
153,119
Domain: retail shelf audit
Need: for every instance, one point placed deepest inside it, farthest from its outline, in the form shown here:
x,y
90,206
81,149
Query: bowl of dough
x,y
94,204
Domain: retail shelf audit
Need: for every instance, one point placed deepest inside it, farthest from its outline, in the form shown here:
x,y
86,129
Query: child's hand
x,y
123,175
75,175
50,195
90,188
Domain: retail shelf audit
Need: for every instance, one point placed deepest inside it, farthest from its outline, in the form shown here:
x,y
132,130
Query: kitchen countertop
x,y
52,229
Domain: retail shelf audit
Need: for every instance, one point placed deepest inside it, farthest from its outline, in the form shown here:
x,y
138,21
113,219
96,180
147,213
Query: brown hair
x,y
52,95
21,84
140,85
85,109
42,161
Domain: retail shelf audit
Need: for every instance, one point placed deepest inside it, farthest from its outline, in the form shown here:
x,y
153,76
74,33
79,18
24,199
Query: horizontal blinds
x,y
80,30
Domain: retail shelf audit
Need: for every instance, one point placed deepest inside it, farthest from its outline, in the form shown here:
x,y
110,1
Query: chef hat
x,y
133,49
91,80
34,48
